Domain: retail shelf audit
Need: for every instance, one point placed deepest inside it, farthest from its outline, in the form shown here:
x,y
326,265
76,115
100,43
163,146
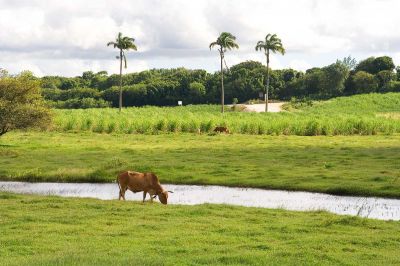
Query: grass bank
x,y
346,165
38,230
368,114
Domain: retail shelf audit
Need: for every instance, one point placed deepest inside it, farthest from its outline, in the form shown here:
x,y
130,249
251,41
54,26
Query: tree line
x,y
225,41
243,82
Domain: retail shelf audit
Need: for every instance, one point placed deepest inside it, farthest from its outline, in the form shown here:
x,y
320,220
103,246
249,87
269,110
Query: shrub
x,y
21,104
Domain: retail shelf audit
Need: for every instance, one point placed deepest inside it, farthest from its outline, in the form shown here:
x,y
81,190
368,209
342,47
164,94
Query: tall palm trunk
x,y
267,86
120,80
222,84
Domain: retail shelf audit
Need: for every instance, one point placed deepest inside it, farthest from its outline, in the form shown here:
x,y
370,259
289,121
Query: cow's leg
x,y
144,195
122,194
122,191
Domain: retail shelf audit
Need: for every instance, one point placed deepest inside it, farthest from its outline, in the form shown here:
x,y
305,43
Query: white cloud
x,y
299,65
69,37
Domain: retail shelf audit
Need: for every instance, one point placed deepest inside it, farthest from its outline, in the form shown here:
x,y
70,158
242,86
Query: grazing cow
x,y
221,130
146,182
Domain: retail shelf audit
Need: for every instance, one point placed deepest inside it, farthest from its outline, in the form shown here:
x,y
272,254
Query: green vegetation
x,y
360,114
352,165
21,104
40,230
244,81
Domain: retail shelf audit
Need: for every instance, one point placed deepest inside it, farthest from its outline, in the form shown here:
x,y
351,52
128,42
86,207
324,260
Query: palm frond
x,y
213,44
260,45
124,43
272,43
226,41
124,57
111,43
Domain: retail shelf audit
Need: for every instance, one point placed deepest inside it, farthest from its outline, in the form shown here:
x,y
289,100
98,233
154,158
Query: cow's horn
x,y
170,191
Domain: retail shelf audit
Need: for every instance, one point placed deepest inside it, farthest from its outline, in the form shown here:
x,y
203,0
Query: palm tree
x,y
225,41
123,43
274,44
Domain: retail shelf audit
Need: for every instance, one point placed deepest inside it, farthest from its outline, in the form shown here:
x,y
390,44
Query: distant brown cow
x,y
146,182
221,130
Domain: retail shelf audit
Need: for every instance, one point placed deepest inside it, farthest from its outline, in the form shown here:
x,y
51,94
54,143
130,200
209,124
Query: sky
x,y
69,37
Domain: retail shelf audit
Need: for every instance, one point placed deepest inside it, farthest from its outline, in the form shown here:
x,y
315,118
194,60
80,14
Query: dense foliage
x,y
244,81
21,104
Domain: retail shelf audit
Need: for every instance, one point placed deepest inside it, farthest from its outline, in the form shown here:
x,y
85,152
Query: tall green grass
x,y
360,114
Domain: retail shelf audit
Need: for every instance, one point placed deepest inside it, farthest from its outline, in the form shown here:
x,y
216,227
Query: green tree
x,y
366,65
123,43
196,91
99,80
374,65
21,104
289,74
385,77
383,63
51,82
364,82
226,41
69,83
333,80
271,44
87,78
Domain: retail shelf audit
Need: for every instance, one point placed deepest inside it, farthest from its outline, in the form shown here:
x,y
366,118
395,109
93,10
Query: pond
x,y
370,207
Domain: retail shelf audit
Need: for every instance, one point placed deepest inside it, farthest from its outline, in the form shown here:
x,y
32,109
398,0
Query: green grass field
x,y
351,165
360,114
38,230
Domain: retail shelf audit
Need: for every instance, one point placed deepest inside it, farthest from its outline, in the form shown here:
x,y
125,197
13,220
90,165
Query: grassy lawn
x,y
38,230
352,165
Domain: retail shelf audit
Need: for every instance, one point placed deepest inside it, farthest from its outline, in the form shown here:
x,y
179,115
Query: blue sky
x,y
69,37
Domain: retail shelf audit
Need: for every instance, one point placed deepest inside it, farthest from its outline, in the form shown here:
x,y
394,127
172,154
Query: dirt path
x,y
272,107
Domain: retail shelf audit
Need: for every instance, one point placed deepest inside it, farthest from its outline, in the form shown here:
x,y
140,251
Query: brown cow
x,y
146,182
221,130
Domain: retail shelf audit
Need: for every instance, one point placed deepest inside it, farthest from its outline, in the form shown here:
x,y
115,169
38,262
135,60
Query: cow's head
x,y
163,196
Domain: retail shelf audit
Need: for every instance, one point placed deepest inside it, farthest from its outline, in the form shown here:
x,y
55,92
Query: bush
x,y
393,86
364,82
84,103
21,104
297,103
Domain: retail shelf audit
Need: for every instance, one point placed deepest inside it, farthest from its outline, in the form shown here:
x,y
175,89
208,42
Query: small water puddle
x,y
377,208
